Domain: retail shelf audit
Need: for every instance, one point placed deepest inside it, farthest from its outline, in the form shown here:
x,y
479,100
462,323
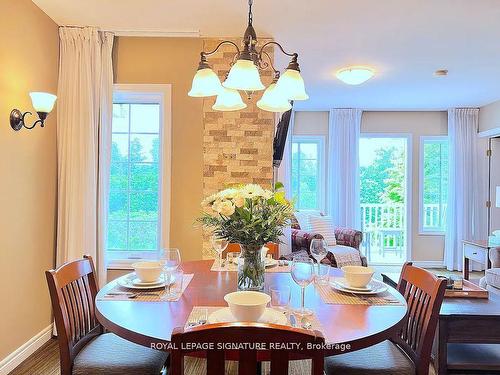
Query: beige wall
x,y
489,116
424,247
173,61
28,56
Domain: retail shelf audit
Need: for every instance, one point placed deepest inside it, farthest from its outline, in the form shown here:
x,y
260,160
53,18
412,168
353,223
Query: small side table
x,y
476,250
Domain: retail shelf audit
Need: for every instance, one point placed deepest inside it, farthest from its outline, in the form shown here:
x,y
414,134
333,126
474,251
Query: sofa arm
x,y
302,240
495,257
348,237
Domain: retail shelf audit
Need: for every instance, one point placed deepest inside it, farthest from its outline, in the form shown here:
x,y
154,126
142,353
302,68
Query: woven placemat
x,y
231,267
203,312
120,293
335,297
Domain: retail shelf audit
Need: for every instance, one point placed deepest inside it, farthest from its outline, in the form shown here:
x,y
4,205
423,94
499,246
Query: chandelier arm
x,y
293,55
206,54
270,63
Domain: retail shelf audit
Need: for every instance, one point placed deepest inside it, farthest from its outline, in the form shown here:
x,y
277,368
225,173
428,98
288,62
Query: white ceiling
x,y
405,41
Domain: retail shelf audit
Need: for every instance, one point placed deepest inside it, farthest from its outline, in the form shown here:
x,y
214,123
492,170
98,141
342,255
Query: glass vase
x,y
251,269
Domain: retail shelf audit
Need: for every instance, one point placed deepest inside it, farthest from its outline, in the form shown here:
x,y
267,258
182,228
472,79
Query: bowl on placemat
x,y
357,276
147,271
247,306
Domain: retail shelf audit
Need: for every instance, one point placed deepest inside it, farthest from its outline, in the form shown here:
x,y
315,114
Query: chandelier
x,y
244,76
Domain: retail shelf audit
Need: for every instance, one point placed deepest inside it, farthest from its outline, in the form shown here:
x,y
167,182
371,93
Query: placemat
x,y
202,312
231,267
120,293
334,297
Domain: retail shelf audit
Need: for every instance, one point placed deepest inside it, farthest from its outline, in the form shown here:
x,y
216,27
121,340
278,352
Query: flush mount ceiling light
x,y
355,75
244,75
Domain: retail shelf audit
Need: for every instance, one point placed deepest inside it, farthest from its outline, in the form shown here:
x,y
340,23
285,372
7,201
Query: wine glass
x,y
318,250
170,260
219,245
302,270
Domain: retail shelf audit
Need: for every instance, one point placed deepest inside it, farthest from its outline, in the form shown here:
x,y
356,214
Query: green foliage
x,y
374,176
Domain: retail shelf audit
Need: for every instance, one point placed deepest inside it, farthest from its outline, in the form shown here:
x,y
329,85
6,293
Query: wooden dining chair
x,y
409,352
243,333
83,347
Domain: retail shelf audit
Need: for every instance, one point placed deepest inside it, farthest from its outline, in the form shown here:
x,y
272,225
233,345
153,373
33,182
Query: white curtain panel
x,y
285,176
343,167
465,192
83,144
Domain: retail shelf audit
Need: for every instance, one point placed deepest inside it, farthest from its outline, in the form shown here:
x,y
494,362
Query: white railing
x,y
434,215
376,216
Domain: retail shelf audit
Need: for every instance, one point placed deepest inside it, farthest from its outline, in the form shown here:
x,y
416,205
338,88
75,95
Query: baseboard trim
x,y
428,263
15,358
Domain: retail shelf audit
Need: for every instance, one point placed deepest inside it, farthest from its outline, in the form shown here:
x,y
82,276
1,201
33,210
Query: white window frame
x,y
154,94
320,141
421,229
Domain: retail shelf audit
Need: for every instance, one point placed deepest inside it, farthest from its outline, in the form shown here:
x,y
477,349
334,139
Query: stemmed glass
x,y
318,250
170,260
302,271
219,245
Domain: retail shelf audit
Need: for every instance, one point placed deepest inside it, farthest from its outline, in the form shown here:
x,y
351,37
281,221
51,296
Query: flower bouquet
x,y
250,216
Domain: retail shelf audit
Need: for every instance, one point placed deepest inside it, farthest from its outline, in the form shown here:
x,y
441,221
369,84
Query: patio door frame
x,y
409,185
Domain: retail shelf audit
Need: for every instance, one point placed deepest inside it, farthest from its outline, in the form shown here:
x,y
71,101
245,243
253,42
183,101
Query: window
x,y
136,178
308,172
433,184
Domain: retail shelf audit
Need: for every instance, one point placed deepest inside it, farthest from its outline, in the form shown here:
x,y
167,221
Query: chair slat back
x,y
221,337
424,293
73,288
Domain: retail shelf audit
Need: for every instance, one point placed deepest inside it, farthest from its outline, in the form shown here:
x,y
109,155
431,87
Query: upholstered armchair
x,y
301,242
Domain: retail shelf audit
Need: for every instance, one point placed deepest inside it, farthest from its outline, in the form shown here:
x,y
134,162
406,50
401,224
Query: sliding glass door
x,y
385,196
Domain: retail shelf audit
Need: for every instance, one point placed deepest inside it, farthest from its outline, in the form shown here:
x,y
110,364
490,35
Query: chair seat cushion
x,y
109,354
381,359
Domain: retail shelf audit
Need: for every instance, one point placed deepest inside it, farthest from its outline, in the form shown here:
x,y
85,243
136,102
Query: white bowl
x,y
247,306
358,276
147,272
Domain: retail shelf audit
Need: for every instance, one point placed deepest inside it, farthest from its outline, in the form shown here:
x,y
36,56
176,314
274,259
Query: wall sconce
x,y
43,104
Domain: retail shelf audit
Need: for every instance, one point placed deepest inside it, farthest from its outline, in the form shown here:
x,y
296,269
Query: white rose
x,y
239,201
226,208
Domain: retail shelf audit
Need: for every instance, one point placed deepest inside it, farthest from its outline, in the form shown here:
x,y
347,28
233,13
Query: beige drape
x,y
83,143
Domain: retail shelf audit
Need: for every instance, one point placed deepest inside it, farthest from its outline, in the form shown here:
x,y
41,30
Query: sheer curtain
x,y
84,144
343,166
465,191
285,177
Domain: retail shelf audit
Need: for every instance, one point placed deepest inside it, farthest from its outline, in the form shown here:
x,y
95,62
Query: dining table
x,y
345,327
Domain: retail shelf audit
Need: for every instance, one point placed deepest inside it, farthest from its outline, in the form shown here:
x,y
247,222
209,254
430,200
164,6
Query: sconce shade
x,y
205,83
244,76
273,100
42,101
498,197
228,100
292,83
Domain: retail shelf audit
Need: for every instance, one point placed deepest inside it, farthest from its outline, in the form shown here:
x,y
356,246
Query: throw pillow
x,y
324,225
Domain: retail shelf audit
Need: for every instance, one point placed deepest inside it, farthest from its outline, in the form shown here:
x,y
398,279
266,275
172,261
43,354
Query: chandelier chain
x,y
250,15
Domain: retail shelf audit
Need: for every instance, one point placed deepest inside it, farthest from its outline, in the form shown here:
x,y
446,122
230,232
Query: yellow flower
x,y
239,201
225,208
252,191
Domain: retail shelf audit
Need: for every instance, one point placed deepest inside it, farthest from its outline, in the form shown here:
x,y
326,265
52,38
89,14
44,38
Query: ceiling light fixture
x,y
355,75
244,76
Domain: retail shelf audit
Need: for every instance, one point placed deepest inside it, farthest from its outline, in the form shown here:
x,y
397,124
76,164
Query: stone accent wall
x,y
237,145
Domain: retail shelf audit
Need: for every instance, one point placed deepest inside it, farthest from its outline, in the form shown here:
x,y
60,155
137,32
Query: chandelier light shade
x,y
228,100
273,100
292,84
205,83
244,75
355,75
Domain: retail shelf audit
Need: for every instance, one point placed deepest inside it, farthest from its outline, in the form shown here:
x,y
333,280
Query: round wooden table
x,y
145,323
